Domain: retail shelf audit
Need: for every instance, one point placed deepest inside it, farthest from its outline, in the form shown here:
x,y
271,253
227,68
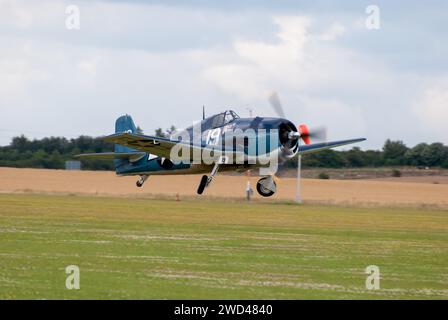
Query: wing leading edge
x,y
311,148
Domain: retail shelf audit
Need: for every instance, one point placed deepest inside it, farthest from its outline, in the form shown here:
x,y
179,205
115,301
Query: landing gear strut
x,y
142,180
206,180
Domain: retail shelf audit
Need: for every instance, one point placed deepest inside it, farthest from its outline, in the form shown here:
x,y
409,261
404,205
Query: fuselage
x,y
225,131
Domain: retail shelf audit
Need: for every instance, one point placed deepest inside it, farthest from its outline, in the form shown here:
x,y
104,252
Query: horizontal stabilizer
x,y
131,156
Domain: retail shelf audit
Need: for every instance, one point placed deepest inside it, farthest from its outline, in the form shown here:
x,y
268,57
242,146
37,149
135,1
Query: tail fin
x,y
124,124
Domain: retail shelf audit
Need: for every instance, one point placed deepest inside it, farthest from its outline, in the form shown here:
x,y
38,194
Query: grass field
x,y
147,249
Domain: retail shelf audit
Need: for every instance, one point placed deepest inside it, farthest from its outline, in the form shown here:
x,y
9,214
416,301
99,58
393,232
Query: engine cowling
x,y
289,136
289,139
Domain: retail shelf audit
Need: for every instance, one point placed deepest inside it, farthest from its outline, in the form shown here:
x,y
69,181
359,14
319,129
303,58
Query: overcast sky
x,y
160,61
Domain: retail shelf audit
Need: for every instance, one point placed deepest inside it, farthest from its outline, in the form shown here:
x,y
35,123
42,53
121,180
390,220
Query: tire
x,y
139,184
262,191
202,185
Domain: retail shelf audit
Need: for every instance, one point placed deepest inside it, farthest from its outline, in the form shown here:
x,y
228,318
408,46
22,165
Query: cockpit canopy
x,y
221,119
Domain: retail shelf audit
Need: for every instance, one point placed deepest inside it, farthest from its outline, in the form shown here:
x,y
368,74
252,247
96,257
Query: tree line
x,y
52,152
393,153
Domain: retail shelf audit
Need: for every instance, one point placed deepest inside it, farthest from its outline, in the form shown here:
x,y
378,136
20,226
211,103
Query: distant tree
x,y
159,133
445,164
54,160
429,155
38,160
373,158
434,154
165,133
21,144
324,159
354,157
394,152
171,130
414,156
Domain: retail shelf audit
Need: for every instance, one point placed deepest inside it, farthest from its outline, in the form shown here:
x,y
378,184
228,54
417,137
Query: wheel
x,y
263,191
140,182
203,184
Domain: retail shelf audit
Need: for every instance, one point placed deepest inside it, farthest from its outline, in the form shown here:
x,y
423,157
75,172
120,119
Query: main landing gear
x,y
206,180
266,187
142,180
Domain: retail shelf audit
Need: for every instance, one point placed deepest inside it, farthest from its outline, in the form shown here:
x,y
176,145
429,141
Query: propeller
x,y
318,133
274,100
302,133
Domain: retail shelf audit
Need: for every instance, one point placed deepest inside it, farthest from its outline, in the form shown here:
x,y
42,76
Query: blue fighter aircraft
x,y
142,155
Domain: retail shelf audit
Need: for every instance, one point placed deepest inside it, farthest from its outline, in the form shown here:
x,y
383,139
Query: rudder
x,y
124,124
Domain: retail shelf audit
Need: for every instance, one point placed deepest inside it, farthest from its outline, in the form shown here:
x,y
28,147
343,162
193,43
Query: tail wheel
x,y
203,184
141,181
264,191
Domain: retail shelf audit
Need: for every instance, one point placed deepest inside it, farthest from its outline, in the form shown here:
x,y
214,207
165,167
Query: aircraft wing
x,y
154,145
131,156
310,148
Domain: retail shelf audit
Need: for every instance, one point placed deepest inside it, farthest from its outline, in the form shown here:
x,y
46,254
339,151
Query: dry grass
x,y
389,192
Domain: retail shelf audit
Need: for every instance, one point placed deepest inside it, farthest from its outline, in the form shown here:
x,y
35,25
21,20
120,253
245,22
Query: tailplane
x,y
122,155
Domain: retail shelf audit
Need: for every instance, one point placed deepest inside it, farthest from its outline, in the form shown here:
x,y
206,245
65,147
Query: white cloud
x,y
29,15
335,31
256,65
298,61
16,74
432,110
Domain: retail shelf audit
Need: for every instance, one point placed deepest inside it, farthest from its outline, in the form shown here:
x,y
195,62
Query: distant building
x,y
72,165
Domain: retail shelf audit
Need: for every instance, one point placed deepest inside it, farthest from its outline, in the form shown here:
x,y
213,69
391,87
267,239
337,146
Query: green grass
x,y
159,249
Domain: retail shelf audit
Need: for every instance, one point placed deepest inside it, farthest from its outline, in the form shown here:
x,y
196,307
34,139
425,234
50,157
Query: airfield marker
x,y
299,169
